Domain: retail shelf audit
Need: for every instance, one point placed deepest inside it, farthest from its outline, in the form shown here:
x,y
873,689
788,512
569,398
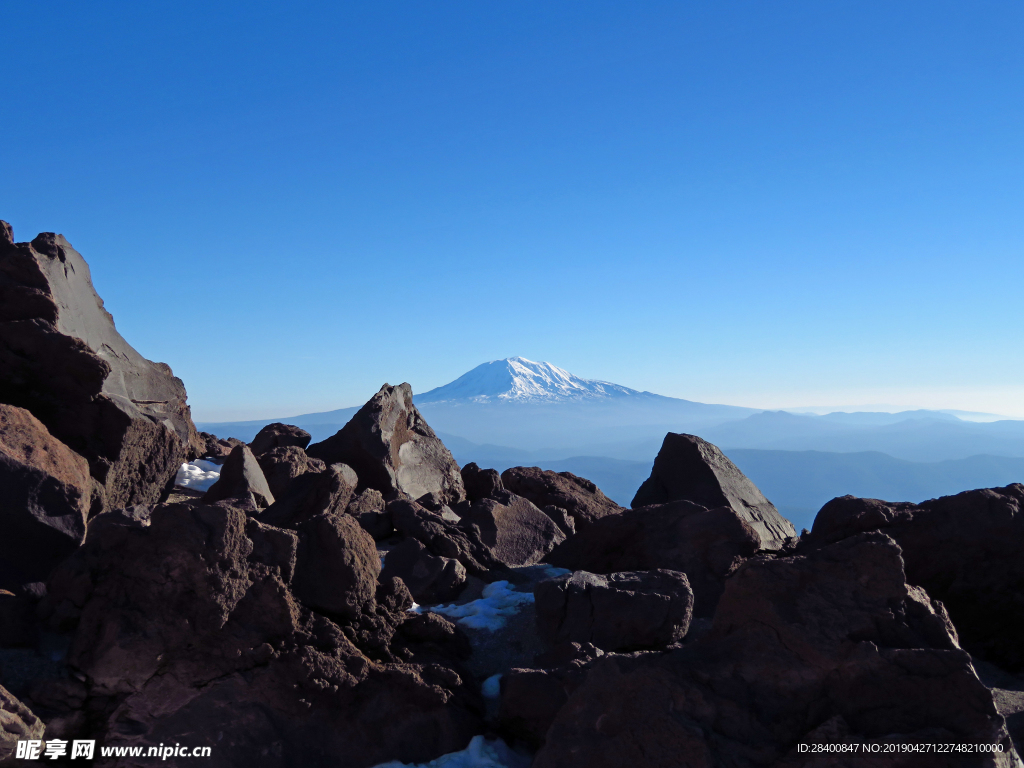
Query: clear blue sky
x,y
761,203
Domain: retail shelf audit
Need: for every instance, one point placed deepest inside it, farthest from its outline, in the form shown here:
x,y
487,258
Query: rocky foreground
x,y
364,600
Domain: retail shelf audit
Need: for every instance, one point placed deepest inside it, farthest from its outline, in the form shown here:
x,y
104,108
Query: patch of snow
x,y
517,379
488,612
416,608
481,753
491,688
198,475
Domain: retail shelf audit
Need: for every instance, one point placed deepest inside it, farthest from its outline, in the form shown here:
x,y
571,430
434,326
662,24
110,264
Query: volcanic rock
x,y
63,360
312,494
516,532
688,468
833,641
442,537
283,464
336,566
616,612
278,435
964,549
393,450
430,579
583,500
184,636
368,509
480,483
241,478
17,723
217,448
46,496
705,544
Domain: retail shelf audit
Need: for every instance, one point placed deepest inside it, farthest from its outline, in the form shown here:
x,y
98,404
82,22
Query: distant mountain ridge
x,y
516,379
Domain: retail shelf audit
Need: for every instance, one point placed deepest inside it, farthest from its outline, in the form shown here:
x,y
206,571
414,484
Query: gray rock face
x,y
283,464
616,612
831,646
688,468
337,566
17,723
278,435
63,360
580,498
241,478
516,532
394,450
312,494
46,495
430,579
705,544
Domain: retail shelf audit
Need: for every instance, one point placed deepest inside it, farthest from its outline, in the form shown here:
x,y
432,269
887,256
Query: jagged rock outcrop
x,y
705,544
186,631
46,496
964,549
394,450
430,578
283,464
217,448
480,483
688,468
312,494
833,644
278,435
369,510
241,478
17,723
442,537
516,532
580,498
615,612
63,360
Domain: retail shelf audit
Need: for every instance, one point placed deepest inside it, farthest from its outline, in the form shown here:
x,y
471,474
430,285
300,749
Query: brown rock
x,y
278,435
688,468
430,579
480,483
964,549
46,495
283,464
705,544
616,612
442,537
516,532
834,640
17,723
393,450
337,565
312,494
242,479
583,500
64,361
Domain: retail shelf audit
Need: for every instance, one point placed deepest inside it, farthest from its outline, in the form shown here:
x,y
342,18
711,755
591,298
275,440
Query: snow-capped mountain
x,y
518,380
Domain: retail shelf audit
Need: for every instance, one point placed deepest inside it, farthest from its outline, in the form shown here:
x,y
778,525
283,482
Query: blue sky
x,y
768,204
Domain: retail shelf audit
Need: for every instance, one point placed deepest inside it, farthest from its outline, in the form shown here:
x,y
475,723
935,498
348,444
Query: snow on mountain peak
x,y
516,379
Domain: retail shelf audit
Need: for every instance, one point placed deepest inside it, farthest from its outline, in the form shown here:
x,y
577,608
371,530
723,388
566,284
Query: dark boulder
x,y
283,464
337,565
580,498
705,544
480,483
217,448
516,532
179,626
312,494
964,549
393,449
615,612
442,537
688,468
241,478
278,435
832,642
63,360
430,578
368,509
46,496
